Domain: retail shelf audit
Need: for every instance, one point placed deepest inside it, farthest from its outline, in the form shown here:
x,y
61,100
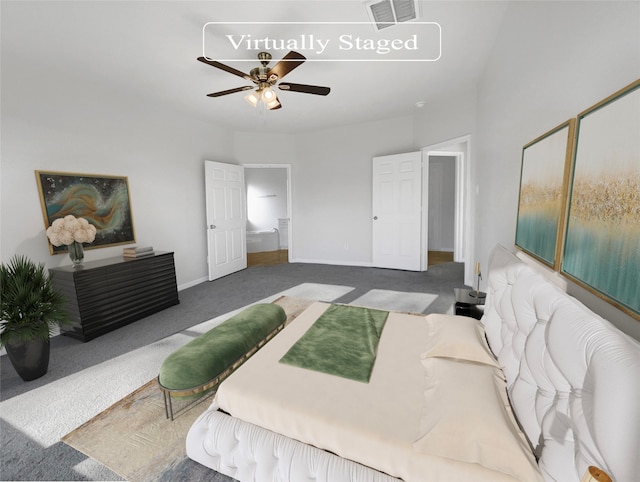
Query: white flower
x,y
71,223
66,237
53,236
57,225
69,229
80,236
92,233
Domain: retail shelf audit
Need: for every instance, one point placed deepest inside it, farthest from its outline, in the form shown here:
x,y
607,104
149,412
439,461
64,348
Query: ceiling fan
x,y
265,78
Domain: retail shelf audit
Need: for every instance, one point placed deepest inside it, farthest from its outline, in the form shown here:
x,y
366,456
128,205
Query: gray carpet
x,y
85,378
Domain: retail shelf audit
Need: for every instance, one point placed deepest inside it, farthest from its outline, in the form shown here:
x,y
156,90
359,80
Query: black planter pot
x,y
29,358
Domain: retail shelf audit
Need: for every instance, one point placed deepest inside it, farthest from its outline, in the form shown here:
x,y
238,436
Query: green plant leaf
x,y
30,306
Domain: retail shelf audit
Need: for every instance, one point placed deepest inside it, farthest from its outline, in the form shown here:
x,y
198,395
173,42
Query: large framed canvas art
x,y
602,245
102,200
543,193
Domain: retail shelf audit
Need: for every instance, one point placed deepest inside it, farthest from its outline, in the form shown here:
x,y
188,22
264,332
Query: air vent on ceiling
x,y
386,13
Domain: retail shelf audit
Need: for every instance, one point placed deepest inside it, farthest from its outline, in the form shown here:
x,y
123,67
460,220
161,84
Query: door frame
x,y
289,202
460,148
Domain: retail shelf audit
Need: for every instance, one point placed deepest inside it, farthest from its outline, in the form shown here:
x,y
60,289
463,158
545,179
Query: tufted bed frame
x,y
572,378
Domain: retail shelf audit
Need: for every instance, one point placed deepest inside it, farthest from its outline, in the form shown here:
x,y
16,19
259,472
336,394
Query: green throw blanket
x,y
342,342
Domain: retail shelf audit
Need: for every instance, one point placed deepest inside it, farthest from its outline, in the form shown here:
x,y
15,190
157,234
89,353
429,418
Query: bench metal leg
x,y
168,406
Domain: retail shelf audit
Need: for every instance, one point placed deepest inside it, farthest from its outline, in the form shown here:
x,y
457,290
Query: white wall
x,y
59,122
446,118
442,203
582,53
264,148
332,189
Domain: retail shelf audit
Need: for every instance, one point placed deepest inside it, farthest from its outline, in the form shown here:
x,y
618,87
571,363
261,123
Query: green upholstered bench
x,y
204,362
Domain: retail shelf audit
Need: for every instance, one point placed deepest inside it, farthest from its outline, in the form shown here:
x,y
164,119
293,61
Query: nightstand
x,y
467,305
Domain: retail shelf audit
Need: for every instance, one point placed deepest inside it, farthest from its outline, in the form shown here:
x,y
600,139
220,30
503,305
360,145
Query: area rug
x,y
396,301
134,438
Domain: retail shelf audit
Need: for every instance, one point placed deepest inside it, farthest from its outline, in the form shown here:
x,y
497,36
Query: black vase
x,y
29,358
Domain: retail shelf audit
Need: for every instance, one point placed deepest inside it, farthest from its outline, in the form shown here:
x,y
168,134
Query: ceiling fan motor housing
x,y
261,74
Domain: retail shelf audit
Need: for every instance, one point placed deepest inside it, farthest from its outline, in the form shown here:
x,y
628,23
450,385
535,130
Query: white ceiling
x,y
148,49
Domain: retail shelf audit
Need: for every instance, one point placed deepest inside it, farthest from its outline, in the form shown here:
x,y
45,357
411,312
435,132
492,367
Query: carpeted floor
x,y
86,378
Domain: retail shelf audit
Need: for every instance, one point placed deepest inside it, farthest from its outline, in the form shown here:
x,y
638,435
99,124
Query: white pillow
x,y
458,337
466,417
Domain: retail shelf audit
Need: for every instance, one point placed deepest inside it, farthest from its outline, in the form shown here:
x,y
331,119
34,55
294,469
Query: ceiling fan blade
x,y
287,64
226,68
307,89
230,91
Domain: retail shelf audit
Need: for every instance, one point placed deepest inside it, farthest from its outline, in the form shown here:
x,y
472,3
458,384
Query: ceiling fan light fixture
x,y
252,98
273,103
268,95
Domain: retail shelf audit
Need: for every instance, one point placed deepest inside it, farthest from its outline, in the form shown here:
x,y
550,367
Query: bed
x,y
549,391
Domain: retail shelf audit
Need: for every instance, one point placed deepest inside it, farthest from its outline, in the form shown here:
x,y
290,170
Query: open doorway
x,y
442,209
268,213
457,151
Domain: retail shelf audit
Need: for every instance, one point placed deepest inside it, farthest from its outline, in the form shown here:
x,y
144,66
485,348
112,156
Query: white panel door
x,y
397,211
226,218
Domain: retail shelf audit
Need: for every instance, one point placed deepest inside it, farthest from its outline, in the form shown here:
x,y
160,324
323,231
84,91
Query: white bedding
x,y
572,380
379,424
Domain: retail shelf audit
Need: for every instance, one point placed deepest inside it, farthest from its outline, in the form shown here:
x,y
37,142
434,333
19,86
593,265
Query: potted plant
x,y
30,310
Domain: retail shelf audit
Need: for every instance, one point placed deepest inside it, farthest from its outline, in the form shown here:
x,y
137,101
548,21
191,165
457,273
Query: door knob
x,y
375,218
212,226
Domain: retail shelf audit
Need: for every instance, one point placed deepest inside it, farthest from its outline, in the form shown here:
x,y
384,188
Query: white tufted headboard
x,y
573,378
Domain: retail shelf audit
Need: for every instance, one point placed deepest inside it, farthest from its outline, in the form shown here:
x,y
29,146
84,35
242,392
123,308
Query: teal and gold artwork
x,y
543,193
602,247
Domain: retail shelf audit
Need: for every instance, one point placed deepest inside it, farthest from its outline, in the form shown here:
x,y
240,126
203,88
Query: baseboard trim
x,y
190,284
332,262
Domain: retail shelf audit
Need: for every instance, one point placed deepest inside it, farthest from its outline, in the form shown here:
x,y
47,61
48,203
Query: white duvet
x,y
401,422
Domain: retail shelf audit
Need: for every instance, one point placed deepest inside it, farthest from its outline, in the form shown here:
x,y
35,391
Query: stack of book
x,y
137,252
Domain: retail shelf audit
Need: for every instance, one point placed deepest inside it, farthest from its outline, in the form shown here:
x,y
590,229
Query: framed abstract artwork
x,y
544,177
102,200
602,240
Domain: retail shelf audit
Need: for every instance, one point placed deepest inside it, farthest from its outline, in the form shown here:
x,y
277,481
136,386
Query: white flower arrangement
x,y
69,229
